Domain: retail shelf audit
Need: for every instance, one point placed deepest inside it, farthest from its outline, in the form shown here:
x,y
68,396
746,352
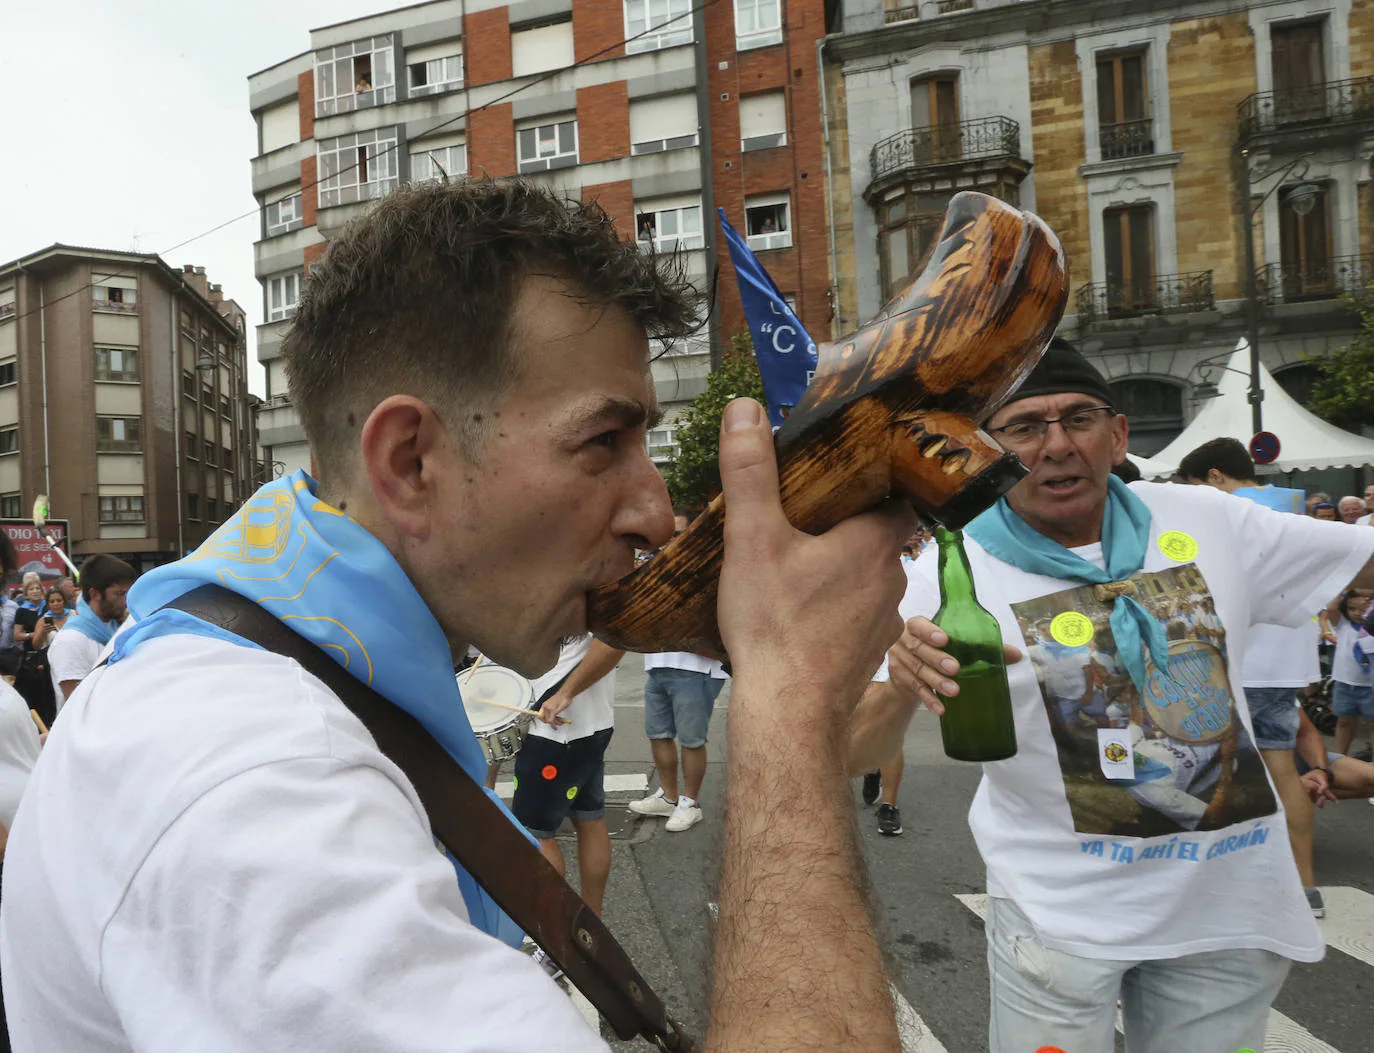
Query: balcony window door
x,y
1305,243
1299,67
908,227
1129,243
1123,121
935,111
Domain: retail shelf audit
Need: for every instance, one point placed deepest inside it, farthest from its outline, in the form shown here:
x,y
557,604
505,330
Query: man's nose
x,y
1056,443
647,518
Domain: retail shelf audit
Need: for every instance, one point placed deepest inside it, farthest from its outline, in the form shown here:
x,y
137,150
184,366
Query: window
x,y
8,373
1305,241
192,446
116,363
224,408
188,385
283,293
209,449
666,122
763,121
1129,245
9,439
663,443
353,76
935,113
226,459
193,506
547,146
540,48
907,226
118,298
664,24
900,10
1155,410
1298,62
10,506
118,434
439,164
768,222
211,510
115,510
758,23
670,228
6,303
357,167
1123,122
435,75
284,215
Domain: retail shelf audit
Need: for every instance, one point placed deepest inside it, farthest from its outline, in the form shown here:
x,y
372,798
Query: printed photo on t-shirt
x,y
1178,759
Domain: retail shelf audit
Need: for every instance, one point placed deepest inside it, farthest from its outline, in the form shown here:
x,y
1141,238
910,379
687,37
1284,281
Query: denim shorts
x,y
1274,715
678,705
555,780
1348,700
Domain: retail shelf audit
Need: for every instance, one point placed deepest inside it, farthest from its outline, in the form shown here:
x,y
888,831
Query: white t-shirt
x,y
591,711
1345,667
1277,656
1168,858
18,750
212,854
71,656
685,660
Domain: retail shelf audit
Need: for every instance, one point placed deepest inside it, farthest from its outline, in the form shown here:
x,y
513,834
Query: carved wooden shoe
x,y
891,410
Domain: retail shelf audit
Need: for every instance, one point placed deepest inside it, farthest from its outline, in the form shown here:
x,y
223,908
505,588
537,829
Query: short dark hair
x,y
9,558
416,297
1228,456
101,571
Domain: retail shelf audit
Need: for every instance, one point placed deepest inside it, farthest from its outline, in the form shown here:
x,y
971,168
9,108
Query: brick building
x,y
123,397
1145,134
657,112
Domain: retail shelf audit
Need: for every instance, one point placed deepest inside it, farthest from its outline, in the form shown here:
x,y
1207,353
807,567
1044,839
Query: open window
x,y
768,222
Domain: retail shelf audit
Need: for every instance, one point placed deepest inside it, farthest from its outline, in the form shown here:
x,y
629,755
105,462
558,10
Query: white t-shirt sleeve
x,y
246,930
922,595
71,656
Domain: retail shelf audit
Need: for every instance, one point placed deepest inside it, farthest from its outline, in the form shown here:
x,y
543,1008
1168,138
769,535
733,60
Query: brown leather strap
x,y
472,827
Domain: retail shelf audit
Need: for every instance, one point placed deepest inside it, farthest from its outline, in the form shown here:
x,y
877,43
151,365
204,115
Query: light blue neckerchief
x,y
89,624
334,583
1125,539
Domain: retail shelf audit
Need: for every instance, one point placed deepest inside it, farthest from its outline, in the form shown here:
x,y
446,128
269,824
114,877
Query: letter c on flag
x,y
777,332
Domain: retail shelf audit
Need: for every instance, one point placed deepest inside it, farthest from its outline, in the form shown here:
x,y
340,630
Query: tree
x,y
694,475
1343,392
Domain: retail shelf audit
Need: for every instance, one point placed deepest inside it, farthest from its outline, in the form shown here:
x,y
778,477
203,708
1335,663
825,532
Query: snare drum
x,y
500,731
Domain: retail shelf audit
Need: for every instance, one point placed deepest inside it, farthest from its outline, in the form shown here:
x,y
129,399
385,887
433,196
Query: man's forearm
x,y
595,664
797,965
877,727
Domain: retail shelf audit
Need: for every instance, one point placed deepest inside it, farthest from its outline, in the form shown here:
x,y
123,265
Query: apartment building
x,y
1149,135
659,112
123,397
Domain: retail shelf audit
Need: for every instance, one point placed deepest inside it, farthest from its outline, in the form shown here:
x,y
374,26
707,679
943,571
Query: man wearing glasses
x,y
1137,855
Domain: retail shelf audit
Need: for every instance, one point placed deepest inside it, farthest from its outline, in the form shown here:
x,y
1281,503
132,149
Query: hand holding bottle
x,y
918,664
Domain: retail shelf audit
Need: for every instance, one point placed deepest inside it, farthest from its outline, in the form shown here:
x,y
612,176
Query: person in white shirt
x,y
105,582
213,853
1186,915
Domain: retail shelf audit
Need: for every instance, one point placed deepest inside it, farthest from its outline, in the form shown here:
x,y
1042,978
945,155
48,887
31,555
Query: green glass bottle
x,y
977,723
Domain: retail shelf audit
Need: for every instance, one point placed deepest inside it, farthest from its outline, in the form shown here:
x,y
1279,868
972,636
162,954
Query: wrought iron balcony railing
x,y
1323,279
900,13
1339,102
1165,294
943,144
1127,139
949,7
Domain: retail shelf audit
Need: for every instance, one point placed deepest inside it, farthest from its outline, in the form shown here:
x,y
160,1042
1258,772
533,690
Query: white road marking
x,y
1283,1035
1349,922
912,1030
630,783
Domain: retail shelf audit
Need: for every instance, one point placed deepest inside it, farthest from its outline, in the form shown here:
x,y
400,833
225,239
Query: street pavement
x,y
927,890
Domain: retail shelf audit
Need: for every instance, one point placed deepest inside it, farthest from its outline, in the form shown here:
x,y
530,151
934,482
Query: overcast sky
x,y
128,127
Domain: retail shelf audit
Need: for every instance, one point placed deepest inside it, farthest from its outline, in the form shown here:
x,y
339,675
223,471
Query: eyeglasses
x,y
1030,432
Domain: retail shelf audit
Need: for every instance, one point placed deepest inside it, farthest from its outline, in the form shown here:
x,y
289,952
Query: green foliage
x,y
1343,392
694,475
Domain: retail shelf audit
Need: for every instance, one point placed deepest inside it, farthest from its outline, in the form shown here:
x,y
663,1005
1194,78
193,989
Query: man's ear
x,y
400,439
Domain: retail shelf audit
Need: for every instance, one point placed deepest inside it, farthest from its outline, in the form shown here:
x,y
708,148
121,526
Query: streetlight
x,y
1301,199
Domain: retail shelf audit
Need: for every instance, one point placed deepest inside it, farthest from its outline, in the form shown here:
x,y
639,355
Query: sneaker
x,y
889,820
546,963
654,804
1315,901
873,786
685,816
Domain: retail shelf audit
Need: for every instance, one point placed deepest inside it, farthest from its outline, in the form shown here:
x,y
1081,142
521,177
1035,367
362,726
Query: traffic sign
x,y
1264,447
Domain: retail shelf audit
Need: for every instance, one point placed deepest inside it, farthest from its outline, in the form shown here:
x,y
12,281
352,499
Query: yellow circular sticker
x,y
572,792
1071,628
1178,546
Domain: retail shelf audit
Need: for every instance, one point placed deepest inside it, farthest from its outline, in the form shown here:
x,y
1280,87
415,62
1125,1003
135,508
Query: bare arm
x,y
595,664
806,620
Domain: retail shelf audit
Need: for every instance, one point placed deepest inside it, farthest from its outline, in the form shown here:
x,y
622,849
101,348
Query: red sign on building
x,y
33,549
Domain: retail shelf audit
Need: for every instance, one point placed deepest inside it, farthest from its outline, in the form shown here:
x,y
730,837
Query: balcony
x,y
1167,294
1127,139
900,13
950,7
99,303
1341,106
1278,283
917,148
6,311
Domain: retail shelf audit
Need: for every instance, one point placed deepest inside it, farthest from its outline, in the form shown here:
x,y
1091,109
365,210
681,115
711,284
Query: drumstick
x,y
473,668
42,728
504,705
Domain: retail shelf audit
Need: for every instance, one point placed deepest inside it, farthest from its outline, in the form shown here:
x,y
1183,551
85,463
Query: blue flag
x,y
785,351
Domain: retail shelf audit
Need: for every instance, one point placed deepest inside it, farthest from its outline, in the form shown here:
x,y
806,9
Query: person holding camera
x,y
33,630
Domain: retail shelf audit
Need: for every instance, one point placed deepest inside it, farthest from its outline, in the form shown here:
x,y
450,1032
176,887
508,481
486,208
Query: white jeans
x,y
1216,1002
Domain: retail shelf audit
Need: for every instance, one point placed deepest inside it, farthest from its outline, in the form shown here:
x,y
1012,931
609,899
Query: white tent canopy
x,y
1150,468
1305,440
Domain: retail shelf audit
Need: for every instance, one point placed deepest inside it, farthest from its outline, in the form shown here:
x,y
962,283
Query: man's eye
x,y
606,438
1080,420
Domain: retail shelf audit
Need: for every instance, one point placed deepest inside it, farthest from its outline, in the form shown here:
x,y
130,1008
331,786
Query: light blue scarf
x,y
334,583
1125,539
88,623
